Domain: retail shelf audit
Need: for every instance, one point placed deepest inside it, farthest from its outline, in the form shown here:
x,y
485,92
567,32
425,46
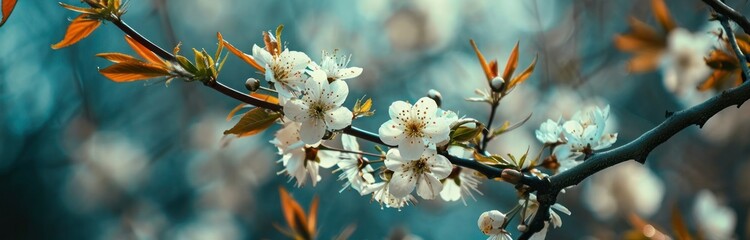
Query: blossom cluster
x,y
576,138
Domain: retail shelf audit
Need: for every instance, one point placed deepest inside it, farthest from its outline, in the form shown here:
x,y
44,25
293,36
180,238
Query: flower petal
x,y
338,118
412,148
400,111
402,183
440,166
391,132
348,73
336,93
296,110
424,109
312,130
437,130
429,186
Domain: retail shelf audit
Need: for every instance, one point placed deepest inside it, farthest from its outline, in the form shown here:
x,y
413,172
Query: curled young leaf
x,y
246,58
133,71
524,75
661,12
144,52
253,122
483,62
117,57
7,9
80,28
512,63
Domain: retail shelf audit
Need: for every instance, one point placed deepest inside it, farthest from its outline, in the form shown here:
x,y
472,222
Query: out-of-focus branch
x,y
735,47
737,17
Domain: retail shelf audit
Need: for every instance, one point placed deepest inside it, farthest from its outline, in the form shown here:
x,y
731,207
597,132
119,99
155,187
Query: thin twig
x,y
735,47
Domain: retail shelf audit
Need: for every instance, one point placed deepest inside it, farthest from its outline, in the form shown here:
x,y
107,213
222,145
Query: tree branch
x,y
727,11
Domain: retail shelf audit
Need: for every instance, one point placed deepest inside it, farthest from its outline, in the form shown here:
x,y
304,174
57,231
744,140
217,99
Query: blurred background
x,y
82,157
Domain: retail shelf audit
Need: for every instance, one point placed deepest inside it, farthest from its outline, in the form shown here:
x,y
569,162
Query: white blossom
x,y
566,158
424,173
381,193
412,128
299,159
285,70
549,132
320,108
683,63
542,234
462,181
715,220
533,206
491,224
336,68
585,131
353,166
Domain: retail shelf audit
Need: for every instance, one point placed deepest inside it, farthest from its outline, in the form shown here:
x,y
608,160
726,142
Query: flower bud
x,y
436,96
497,84
491,222
252,84
511,175
522,228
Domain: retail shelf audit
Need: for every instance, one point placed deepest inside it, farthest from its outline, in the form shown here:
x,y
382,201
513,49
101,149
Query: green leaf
x,y
464,134
494,160
253,122
186,64
507,127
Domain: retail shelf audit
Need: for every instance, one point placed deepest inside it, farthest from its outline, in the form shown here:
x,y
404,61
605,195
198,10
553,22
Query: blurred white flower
x,y
109,166
410,126
320,108
210,225
549,132
353,166
533,205
462,181
298,158
381,193
424,173
335,67
715,220
491,223
285,70
623,189
584,132
683,63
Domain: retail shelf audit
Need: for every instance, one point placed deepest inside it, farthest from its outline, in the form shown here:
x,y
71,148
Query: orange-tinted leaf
x,y
253,122
512,63
661,12
631,43
80,28
485,67
265,98
272,46
133,71
235,110
7,9
293,213
144,52
743,41
312,217
494,68
643,31
721,60
117,57
79,9
247,58
644,61
524,75
679,227
716,77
